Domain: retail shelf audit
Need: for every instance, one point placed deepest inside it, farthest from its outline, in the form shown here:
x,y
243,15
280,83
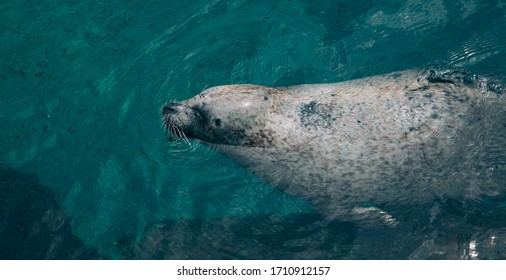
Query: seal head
x,y
226,115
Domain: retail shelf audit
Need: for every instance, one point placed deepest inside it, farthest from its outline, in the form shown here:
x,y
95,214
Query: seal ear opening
x,y
217,122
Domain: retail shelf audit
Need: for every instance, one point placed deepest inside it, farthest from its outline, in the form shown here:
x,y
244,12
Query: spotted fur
x,y
403,137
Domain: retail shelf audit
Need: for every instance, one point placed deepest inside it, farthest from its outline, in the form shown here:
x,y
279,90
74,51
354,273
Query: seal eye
x,y
200,111
266,98
217,122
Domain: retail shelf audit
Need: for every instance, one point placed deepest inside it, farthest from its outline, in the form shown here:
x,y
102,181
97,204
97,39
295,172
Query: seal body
x,y
403,137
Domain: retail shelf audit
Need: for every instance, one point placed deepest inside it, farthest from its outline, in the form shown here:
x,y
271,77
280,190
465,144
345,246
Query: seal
x,y
402,137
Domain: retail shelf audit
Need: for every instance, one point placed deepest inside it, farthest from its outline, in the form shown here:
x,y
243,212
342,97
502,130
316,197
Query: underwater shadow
x,y
32,224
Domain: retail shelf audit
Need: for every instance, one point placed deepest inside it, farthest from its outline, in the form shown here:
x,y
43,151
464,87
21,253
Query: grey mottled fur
x,y
404,137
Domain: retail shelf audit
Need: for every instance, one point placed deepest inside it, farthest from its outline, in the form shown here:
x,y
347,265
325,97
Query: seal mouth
x,y
177,118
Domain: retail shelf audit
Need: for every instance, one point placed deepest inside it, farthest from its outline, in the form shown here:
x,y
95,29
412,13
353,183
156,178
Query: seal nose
x,y
171,108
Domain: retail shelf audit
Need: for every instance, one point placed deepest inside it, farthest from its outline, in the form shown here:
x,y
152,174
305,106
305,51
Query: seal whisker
x,y
173,135
179,134
185,139
176,132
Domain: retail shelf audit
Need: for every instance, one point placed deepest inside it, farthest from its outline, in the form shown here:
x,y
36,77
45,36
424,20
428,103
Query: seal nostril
x,y
217,122
170,108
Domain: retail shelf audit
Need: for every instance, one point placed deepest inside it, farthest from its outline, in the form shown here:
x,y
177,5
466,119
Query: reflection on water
x,y
83,84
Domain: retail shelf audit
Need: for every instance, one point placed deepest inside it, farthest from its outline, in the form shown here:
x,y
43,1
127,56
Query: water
x,y
88,173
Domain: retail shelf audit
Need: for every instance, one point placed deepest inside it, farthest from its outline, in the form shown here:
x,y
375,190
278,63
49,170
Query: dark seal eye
x,y
217,122
265,97
201,111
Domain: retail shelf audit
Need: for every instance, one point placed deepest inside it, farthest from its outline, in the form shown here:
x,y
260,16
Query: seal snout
x,y
172,108
178,120
179,115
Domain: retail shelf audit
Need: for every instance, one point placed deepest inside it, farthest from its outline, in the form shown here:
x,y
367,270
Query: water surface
x,y
88,173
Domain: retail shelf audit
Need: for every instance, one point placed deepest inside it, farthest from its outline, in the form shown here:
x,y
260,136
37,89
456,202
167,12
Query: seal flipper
x,y
366,216
373,215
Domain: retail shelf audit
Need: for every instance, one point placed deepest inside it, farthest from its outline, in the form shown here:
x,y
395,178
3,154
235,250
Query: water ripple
x,y
479,47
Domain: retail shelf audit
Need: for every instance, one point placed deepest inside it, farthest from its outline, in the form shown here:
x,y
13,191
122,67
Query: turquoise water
x,y
87,171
